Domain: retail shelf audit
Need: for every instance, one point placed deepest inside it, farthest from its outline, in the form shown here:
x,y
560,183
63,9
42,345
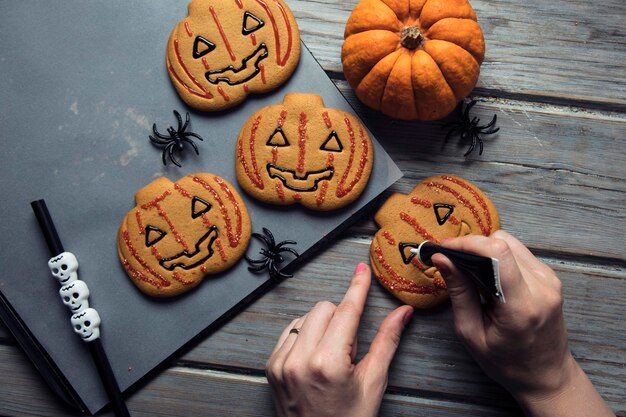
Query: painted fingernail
x,y
407,317
361,267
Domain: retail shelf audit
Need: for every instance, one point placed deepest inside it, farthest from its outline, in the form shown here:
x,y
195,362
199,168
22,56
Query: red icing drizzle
x,y
397,282
160,282
279,61
280,190
188,29
139,222
387,235
281,118
220,249
297,196
156,204
233,237
418,227
246,88
330,159
262,68
255,177
223,93
342,191
302,141
327,120
274,154
204,94
239,3
253,38
205,63
477,196
322,194
421,202
180,279
485,230
222,34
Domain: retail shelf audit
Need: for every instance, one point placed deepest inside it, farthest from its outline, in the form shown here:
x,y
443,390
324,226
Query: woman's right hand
x,y
522,344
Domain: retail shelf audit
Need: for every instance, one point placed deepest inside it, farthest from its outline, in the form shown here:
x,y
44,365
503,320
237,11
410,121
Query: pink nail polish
x,y
361,267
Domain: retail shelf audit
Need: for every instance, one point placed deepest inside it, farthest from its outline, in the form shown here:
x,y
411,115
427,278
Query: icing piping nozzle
x,y
484,271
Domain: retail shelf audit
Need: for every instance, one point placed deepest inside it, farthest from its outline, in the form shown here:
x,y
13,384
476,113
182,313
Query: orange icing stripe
x,y
180,279
188,29
281,118
465,202
162,282
280,190
322,194
232,237
478,198
220,249
389,237
222,33
421,202
342,191
327,120
239,3
205,94
155,201
399,283
302,141
255,177
280,61
417,227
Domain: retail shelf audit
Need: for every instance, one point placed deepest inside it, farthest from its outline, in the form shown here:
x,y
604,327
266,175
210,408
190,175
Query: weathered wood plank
x,y
557,51
180,391
430,357
557,176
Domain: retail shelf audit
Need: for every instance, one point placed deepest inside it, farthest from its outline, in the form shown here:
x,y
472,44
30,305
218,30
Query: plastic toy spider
x,y
271,255
469,128
175,140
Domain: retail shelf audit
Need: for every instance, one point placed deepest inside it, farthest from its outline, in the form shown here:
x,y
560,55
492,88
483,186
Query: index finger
x,y
343,327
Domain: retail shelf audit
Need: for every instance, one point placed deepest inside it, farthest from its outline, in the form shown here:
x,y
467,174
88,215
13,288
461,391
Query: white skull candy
x,y
75,296
64,267
87,324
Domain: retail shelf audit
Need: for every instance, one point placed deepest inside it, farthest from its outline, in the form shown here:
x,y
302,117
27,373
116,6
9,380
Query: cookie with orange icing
x,y
225,50
178,233
300,152
439,207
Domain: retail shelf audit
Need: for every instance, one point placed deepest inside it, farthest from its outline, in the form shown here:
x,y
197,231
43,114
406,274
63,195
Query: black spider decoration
x,y
271,255
469,128
175,140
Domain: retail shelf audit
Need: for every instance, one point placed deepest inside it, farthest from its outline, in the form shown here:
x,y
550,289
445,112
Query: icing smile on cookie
x,y
202,252
248,70
307,182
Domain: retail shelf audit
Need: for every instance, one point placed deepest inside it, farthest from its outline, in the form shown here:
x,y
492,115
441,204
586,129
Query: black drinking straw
x,y
95,346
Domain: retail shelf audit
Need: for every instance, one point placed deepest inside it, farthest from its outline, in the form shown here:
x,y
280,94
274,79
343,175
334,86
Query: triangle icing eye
x,y
278,138
251,23
153,235
405,251
443,212
332,144
199,207
202,46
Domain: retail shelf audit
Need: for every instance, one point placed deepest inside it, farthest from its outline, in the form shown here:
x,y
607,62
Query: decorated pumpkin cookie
x,y
180,232
226,49
300,152
439,207
413,60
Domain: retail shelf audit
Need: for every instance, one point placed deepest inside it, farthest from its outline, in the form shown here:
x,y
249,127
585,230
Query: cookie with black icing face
x,y
300,152
225,50
439,207
178,233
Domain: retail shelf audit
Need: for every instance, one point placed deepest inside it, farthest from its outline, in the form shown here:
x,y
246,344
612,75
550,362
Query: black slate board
x,y
80,85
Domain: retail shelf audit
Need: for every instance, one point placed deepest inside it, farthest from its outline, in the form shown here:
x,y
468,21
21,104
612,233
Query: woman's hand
x,y
312,370
522,344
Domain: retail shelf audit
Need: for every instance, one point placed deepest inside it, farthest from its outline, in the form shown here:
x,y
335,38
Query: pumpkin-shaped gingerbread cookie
x,y
301,152
180,232
441,206
413,59
226,49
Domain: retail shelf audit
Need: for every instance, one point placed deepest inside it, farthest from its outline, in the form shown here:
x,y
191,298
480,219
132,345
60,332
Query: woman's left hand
x,y
312,370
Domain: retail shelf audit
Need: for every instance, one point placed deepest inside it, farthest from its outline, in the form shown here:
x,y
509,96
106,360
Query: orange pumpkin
x,y
225,50
180,232
413,59
441,206
299,152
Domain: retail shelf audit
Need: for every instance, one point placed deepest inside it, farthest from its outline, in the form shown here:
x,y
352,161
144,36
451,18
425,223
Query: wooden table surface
x,y
555,74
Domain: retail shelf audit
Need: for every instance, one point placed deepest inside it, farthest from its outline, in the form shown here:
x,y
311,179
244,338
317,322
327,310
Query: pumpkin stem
x,y
411,37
